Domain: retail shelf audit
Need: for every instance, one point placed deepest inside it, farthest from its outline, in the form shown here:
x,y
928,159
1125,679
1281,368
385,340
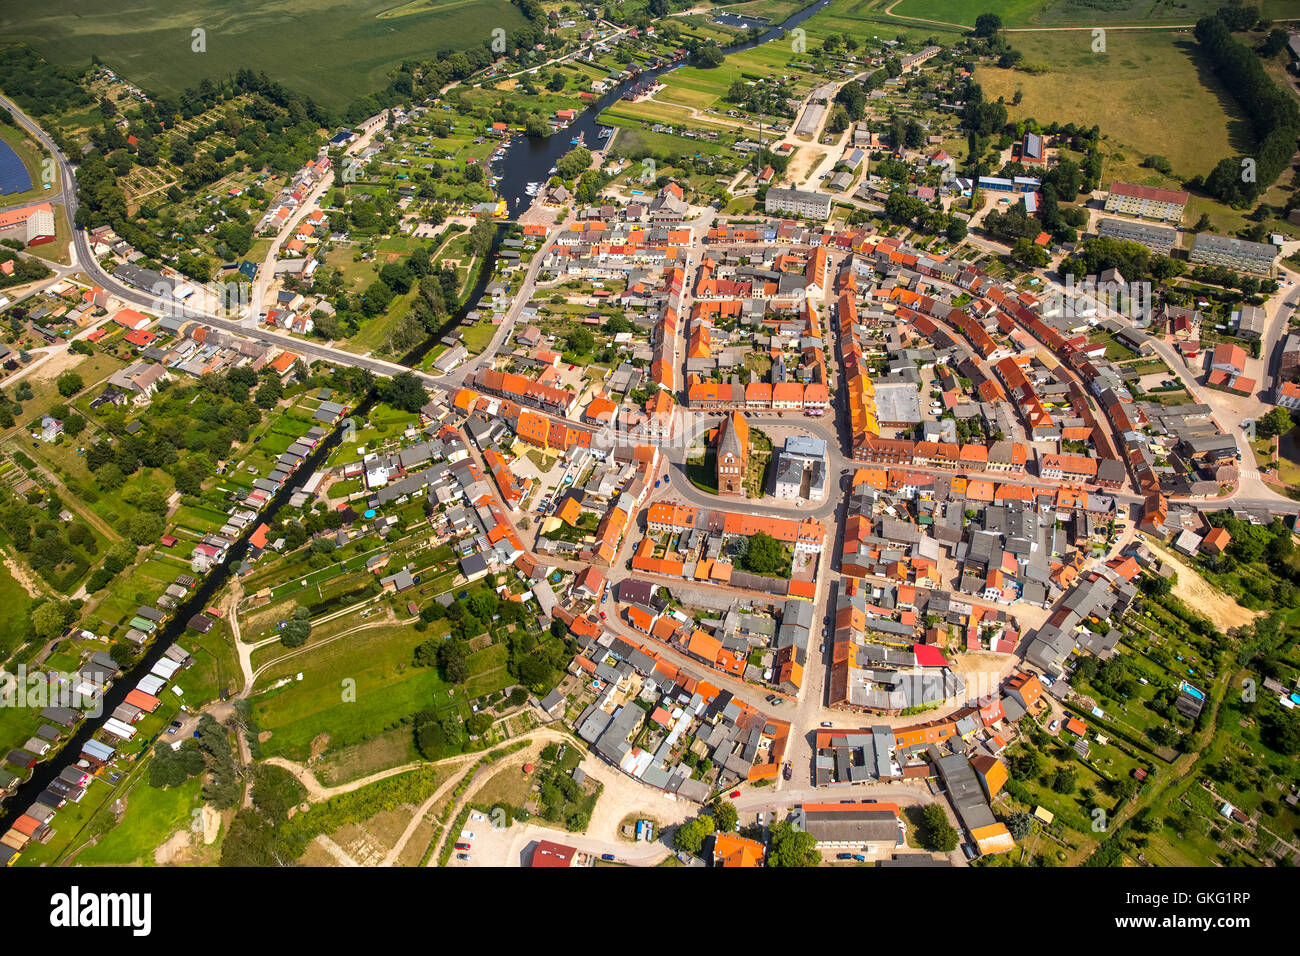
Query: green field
x,y
389,689
153,815
1049,13
16,602
333,52
1131,92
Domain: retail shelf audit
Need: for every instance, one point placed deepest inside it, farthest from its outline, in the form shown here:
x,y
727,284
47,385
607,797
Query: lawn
x,y
477,337
1012,12
152,816
388,689
703,472
1130,92
352,45
16,602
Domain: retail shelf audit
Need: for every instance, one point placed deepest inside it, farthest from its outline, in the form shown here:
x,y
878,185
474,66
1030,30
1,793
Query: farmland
x,y
1050,13
1128,92
333,53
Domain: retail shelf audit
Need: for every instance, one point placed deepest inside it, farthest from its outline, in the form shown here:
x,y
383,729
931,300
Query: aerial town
x,y
770,435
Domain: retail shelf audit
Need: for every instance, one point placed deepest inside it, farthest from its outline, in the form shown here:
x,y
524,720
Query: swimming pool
x,y
14,177
1191,691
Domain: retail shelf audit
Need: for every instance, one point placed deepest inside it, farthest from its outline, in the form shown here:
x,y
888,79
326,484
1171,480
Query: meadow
x,y
1050,13
1131,92
333,52
389,689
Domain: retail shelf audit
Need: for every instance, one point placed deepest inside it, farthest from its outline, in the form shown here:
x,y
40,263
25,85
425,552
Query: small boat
x,y
551,171
578,140
606,132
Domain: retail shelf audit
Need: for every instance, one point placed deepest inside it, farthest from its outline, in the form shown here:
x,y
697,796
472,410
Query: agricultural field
x,y
334,54
1129,92
868,19
1049,13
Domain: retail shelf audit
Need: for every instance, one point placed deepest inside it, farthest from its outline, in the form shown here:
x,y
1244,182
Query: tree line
x,y
1272,112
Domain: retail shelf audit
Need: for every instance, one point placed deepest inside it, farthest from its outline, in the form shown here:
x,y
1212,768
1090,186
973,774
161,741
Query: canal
x,y
527,158
175,627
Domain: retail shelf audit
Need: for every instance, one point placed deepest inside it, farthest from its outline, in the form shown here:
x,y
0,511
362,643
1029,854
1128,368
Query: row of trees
x,y
1272,111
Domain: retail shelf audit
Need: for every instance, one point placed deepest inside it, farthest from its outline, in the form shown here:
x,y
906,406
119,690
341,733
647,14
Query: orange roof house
x,y
639,618
1025,688
787,395
146,702
704,645
600,411
733,850
664,629
569,511
1216,541
992,774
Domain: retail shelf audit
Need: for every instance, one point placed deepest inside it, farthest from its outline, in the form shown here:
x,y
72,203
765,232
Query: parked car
x,y
787,771
466,835
462,846
1053,725
607,856
476,816
735,794
827,723
463,856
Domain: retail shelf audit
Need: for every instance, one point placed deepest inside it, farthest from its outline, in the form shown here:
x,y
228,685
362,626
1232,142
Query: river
x,y
527,158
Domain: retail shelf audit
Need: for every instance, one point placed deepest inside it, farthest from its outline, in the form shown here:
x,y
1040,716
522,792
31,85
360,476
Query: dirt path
x,y
318,792
25,580
336,851
538,736
417,818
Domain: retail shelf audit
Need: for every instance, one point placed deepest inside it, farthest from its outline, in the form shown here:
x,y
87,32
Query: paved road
x,y
85,260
